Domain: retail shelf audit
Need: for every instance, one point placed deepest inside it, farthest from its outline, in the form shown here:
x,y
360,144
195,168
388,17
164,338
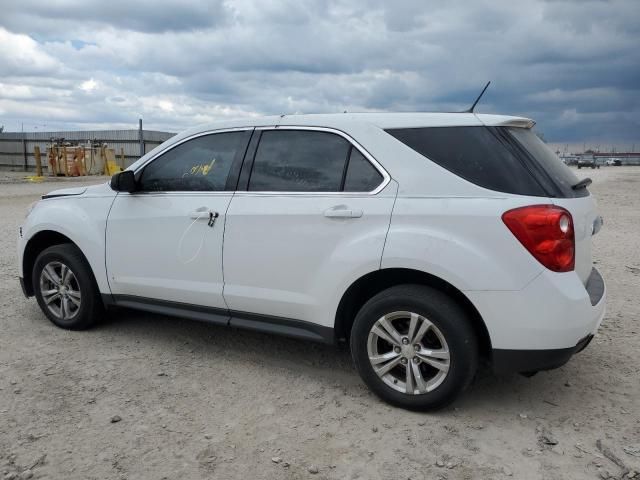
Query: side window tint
x,y
476,154
361,175
299,161
561,177
201,164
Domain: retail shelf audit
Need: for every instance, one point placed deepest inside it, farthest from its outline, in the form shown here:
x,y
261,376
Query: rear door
x,y
164,241
311,214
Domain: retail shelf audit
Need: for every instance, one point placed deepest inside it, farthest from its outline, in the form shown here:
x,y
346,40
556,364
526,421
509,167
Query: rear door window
x,y
299,161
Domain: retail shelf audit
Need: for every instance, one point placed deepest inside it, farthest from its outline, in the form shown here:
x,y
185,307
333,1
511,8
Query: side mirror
x,y
124,181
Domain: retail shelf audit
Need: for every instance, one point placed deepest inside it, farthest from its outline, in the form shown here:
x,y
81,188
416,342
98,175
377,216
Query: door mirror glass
x,y
124,181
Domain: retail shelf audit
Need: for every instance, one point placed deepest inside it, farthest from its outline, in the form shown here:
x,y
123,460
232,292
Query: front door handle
x,y
342,211
203,213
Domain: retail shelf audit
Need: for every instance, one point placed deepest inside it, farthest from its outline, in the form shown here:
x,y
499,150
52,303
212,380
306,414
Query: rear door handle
x,y
342,211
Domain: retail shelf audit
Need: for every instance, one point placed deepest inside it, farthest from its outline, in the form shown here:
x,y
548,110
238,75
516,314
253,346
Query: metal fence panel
x,y
14,146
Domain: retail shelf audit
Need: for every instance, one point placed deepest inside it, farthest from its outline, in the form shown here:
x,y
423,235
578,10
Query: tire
x,y
448,328
78,293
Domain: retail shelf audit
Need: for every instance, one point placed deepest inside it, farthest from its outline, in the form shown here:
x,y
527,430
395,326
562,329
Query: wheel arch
x,y
374,282
36,244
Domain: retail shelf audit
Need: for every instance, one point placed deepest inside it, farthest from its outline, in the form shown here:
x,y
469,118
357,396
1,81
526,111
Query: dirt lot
x,y
198,401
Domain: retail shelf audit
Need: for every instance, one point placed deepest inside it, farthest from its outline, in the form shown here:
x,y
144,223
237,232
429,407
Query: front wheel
x,y
65,287
414,347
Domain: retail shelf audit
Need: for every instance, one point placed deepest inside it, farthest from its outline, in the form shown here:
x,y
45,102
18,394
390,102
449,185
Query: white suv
x,y
428,242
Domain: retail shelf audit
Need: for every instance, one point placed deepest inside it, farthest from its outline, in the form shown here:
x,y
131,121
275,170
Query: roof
x,y
349,122
381,120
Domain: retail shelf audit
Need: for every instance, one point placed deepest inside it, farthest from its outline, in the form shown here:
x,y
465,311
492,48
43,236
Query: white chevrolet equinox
x,y
429,242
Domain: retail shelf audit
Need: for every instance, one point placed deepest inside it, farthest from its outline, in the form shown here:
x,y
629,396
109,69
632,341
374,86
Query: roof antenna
x,y
477,99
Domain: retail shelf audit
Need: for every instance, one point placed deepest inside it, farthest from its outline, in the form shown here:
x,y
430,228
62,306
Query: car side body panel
x,y
553,311
80,217
161,246
461,240
283,257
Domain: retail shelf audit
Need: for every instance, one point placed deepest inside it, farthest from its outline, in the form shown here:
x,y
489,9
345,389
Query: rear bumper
x,y
511,361
507,361
595,287
541,326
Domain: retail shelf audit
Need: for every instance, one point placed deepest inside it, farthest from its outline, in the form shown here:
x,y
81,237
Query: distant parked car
x,y
590,163
426,242
614,162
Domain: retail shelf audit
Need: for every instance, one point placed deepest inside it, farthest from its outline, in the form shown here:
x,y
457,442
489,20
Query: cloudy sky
x,y
572,66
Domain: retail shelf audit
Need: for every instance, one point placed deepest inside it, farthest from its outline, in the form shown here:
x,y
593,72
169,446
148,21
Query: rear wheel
x,y
414,347
65,287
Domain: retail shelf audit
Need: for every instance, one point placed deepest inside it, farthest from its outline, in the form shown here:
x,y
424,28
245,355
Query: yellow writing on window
x,y
202,169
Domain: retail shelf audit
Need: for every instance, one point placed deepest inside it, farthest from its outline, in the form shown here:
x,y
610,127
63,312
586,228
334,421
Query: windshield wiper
x,y
582,184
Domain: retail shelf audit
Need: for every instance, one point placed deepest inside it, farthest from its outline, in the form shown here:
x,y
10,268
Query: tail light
x,y
546,231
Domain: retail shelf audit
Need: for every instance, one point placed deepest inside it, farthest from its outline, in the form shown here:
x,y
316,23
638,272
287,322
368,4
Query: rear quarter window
x,y
473,153
497,158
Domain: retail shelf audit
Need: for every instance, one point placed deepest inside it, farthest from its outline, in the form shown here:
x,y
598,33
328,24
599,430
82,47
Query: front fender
x,y
82,220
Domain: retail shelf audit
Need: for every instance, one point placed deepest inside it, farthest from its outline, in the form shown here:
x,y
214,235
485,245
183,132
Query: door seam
x,y
224,232
393,207
106,228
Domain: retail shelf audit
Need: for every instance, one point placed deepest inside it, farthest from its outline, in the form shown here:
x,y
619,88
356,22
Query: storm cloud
x,y
572,66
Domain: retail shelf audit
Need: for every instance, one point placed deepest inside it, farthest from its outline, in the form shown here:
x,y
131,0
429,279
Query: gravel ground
x,y
147,396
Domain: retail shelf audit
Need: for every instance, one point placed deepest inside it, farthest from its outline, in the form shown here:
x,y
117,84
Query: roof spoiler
x,y
491,120
518,123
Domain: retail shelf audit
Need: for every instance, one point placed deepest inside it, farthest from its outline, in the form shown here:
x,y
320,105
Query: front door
x,y
164,241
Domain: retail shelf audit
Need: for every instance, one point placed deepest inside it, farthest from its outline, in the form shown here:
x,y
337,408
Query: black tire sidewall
x,y
445,314
71,256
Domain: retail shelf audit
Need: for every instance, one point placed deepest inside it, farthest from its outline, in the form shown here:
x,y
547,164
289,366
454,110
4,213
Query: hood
x,y
100,190
65,192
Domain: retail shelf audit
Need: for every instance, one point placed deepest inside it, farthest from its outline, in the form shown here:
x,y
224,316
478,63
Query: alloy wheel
x,y
60,290
408,352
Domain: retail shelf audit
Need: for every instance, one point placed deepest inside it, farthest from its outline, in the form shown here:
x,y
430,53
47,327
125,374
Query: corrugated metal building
x,y
16,148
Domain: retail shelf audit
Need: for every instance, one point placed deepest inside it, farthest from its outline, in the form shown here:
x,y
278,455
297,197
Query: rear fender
x,y
461,240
